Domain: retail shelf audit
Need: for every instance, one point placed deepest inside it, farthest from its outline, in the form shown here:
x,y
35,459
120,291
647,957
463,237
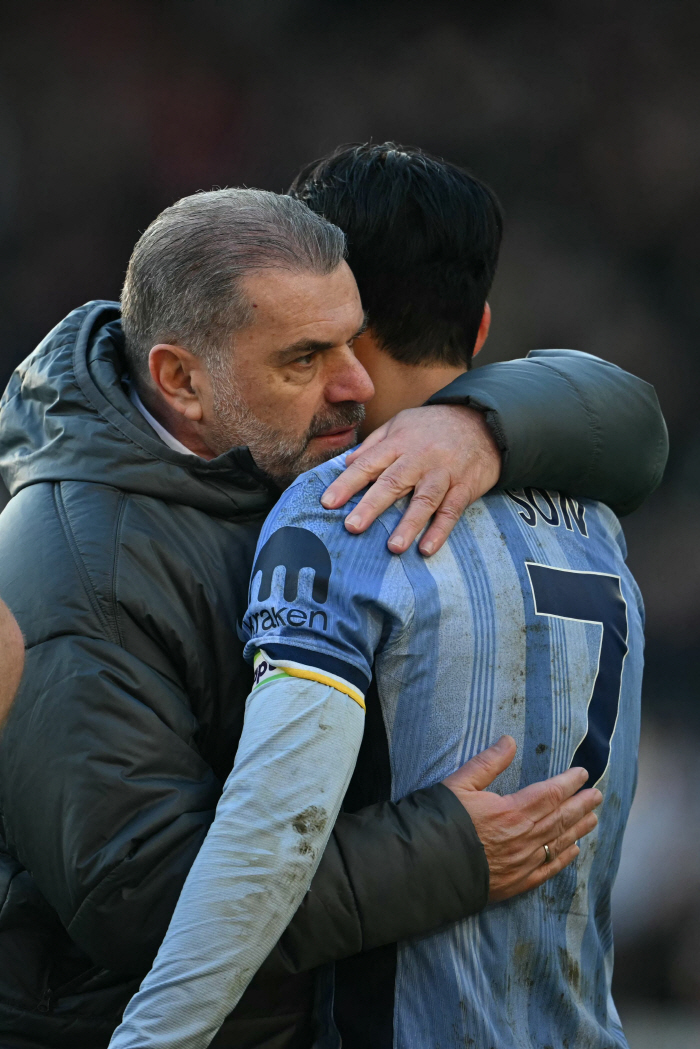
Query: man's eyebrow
x,y
363,327
304,346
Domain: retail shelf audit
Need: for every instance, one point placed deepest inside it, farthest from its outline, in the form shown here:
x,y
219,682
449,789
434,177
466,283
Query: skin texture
x,y
445,454
11,660
285,403
291,386
398,386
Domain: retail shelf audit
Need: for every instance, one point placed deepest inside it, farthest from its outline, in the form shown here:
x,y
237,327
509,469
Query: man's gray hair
x,y
183,284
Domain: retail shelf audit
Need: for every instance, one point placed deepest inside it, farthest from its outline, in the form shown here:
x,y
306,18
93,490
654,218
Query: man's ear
x,y
177,374
483,329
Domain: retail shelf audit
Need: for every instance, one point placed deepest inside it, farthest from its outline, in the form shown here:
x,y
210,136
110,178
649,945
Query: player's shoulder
x,y
300,507
313,481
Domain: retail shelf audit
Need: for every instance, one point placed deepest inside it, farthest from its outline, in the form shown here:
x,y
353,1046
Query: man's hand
x,y
444,453
514,829
11,660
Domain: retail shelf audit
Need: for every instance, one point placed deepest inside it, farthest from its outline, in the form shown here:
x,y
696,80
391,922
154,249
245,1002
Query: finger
x,y
539,799
427,497
446,517
549,870
482,769
556,831
562,850
573,834
390,486
535,858
568,814
357,476
369,442
540,873
563,842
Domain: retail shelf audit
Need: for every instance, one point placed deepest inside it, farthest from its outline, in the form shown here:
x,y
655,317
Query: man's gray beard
x,y
280,456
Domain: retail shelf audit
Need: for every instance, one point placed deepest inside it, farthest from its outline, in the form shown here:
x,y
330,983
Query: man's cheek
x,y
291,414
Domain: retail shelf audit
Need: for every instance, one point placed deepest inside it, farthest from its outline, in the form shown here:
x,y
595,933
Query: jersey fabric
x,y
527,622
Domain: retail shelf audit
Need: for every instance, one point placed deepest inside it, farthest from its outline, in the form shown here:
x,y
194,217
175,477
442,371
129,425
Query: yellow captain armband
x,y
265,670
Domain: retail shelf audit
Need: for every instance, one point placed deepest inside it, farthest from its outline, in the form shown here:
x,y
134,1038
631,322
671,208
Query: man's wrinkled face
x,y
291,388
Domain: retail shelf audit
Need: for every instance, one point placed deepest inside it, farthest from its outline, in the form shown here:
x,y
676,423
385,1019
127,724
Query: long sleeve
x,y
297,752
571,422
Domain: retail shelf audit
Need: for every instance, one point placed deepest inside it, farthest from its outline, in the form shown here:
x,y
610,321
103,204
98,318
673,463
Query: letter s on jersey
x,y
295,548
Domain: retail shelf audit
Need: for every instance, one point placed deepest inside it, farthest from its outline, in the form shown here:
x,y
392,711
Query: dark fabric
x,y
363,1000
126,565
371,780
277,1012
582,425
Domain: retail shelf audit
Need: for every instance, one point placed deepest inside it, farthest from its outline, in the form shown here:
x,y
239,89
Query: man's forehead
x,y
303,305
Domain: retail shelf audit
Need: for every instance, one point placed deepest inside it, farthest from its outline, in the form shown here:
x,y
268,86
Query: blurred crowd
x,y
585,118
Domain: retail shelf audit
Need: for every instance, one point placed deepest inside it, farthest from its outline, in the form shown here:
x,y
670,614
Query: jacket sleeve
x,y
106,802
571,422
293,766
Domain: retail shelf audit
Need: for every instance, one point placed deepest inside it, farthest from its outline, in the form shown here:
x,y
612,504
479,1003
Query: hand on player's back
x,y
515,828
444,454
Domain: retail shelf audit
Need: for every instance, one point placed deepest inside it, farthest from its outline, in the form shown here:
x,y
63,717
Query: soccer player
x,y
526,622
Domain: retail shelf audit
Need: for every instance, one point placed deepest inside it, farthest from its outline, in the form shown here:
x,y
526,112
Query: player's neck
x,y
398,385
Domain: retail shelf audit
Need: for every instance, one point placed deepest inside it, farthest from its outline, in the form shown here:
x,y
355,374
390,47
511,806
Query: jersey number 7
x,y
590,597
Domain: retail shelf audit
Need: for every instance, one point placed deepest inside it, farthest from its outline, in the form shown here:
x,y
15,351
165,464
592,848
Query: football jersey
x,y
526,622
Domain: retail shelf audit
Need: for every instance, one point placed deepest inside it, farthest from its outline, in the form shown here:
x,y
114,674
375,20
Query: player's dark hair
x,y
423,240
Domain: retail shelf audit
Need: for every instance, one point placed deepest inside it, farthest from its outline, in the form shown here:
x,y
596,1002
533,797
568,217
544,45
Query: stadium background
x,y
585,118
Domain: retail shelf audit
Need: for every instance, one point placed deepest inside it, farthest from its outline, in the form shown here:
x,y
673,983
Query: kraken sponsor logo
x,y
293,548
272,618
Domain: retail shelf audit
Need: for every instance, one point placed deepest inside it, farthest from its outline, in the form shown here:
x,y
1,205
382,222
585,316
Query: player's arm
x,y
291,770
297,752
555,419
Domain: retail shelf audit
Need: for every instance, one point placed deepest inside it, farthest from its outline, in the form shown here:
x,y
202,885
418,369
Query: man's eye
x,y
305,360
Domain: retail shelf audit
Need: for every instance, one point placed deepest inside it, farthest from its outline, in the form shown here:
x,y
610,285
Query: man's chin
x,y
313,456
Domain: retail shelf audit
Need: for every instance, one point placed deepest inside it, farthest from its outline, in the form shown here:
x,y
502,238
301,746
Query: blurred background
x,y
585,118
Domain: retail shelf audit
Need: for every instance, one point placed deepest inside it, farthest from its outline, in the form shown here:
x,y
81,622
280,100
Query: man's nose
x,y
349,382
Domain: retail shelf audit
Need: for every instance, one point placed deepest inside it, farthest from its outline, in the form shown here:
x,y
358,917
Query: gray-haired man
x,y
125,554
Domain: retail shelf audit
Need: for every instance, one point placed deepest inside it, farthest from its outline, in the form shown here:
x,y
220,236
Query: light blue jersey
x,y
527,622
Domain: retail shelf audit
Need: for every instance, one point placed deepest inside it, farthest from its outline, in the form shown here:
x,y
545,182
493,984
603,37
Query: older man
x,y
125,556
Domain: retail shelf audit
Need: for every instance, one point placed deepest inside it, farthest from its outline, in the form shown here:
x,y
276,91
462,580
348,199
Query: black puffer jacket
x,y
126,565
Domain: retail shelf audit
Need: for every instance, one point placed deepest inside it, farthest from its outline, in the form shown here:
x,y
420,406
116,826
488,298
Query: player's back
x,y
527,622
